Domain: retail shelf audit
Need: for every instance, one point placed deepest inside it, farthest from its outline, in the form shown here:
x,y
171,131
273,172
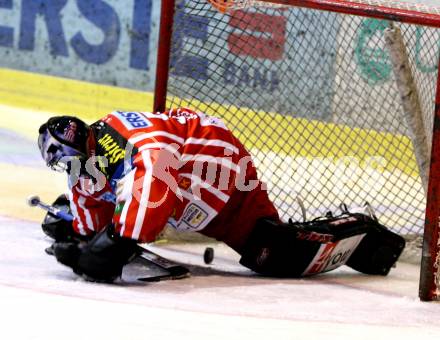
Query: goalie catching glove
x,y
100,259
306,248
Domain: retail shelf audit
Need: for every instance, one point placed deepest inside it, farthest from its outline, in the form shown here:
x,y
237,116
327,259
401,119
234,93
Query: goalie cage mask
x,y
62,140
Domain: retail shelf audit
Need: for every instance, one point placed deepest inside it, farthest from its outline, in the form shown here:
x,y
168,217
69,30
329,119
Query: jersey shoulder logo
x,y
132,120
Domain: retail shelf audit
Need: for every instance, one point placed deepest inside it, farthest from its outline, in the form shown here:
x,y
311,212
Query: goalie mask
x,y
62,140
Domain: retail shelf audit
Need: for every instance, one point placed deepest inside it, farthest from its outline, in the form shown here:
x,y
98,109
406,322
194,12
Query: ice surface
x,y
40,299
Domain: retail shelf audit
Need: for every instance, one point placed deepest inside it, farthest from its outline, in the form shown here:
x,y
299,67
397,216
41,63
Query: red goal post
x,y
178,83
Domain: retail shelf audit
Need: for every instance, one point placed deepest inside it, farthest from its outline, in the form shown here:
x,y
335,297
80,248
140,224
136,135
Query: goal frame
x,y
427,285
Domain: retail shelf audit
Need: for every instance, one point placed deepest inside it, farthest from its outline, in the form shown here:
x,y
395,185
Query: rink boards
x,y
29,99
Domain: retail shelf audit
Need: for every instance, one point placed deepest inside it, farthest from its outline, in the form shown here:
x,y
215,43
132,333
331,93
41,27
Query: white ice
x,y
41,299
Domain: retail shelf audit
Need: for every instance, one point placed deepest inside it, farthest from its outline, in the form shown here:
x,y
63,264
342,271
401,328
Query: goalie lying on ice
x,y
132,173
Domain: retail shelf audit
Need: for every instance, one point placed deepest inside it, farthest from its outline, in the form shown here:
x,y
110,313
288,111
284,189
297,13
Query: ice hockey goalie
x,y
132,173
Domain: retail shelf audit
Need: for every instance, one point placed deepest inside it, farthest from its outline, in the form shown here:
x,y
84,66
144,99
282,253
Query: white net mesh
x,y
313,96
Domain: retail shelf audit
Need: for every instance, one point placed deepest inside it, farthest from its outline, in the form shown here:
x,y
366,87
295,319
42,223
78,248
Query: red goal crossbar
x,y
376,11
389,10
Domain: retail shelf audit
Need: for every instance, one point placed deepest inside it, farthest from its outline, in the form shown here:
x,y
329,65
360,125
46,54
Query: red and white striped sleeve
x,y
90,214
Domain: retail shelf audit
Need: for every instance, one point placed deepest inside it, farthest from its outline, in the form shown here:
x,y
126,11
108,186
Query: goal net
x,y
336,106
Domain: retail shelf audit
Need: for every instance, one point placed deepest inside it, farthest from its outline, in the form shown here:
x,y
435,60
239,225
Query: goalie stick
x,y
34,201
173,270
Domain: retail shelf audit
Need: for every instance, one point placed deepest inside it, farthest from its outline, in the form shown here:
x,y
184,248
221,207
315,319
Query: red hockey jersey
x,y
181,168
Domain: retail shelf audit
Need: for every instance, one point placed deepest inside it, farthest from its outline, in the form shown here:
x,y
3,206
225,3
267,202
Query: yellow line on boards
x,y
300,137
66,96
28,99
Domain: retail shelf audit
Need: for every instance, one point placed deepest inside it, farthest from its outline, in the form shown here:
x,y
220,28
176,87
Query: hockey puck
x,y
208,256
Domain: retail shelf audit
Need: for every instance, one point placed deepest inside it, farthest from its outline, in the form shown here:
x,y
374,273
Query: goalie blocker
x,y
306,248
